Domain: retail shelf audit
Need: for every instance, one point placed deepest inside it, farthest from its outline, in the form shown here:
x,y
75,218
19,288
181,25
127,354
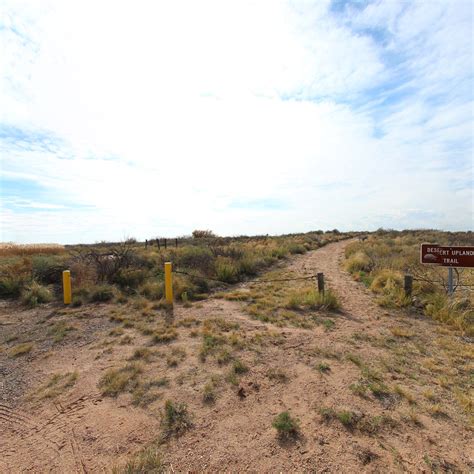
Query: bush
x,y
130,278
457,312
116,381
10,287
153,290
102,293
249,265
358,262
35,294
296,249
312,299
203,234
147,461
195,257
286,425
47,269
175,419
385,281
226,271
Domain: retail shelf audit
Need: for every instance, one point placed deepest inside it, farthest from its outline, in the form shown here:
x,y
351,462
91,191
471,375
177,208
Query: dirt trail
x,y
85,432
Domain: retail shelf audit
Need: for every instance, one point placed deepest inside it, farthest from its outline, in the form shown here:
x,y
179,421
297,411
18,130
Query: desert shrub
x,y
203,234
226,271
238,367
130,278
116,381
82,274
386,280
102,293
195,257
10,286
209,393
152,290
279,252
358,262
47,269
457,312
35,294
296,248
249,265
286,425
183,285
147,461
176,419
312,299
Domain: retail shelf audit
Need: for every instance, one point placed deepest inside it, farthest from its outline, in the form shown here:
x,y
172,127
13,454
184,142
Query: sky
x,y
154,118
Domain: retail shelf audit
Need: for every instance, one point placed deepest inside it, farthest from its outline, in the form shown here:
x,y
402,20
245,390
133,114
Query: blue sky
x,y
121,118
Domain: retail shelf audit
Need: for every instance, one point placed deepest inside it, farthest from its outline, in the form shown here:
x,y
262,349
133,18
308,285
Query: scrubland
x,y
255,372
381,261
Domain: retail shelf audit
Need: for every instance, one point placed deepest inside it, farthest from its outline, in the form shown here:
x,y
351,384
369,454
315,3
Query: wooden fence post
x,y
168,283
165,244
176,243
408,285
158,244
146,243
321,283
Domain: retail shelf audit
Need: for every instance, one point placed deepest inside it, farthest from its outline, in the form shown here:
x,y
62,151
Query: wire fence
x,y
272,280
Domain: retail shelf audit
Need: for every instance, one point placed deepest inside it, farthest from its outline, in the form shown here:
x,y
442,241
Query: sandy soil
x,y
82,431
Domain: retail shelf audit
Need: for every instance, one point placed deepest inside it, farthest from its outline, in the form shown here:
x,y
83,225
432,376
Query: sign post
x,y
447,256
450,281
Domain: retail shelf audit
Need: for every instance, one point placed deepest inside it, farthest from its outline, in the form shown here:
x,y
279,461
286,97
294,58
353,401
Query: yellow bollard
x,y
168,283
67,287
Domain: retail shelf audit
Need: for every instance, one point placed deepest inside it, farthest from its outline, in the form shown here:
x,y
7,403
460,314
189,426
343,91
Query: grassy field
x,y
117,272
382,260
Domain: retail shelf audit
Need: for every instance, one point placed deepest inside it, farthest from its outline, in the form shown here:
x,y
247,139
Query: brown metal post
x,y
408,285
321,283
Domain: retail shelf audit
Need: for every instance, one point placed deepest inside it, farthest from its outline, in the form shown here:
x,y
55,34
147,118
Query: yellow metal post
x,y
168,283
67,287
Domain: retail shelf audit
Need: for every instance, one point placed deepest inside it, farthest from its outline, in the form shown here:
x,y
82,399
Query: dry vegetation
x,y
382,260
106,272
250,377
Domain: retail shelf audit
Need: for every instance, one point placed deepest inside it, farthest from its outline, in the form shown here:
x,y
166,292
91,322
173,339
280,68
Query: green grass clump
x,y
226,271
324,368
239,367
209,393
286,425
310,298
176,419
35,294
10,286
147,461
116,381
345,417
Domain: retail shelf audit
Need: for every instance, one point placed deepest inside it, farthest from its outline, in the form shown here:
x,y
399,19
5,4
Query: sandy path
x,y
85,432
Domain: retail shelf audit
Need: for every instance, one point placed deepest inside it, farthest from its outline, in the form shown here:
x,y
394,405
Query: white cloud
x,y
168,112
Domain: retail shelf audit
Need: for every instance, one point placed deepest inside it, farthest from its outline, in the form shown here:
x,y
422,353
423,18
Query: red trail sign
x,y
447,256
